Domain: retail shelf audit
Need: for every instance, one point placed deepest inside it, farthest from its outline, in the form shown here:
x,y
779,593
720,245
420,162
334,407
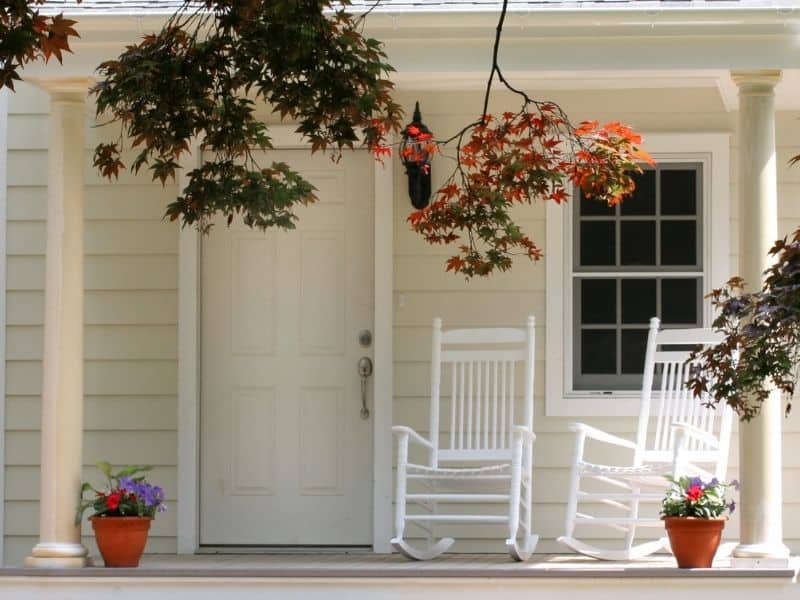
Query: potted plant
x,y
694,516
123,511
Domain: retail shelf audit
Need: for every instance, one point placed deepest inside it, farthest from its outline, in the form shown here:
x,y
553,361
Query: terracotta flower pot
x,y
121,540
694,541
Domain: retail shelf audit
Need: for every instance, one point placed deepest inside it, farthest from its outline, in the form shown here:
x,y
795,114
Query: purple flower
x,y
697,482
735,484
732,506
152,496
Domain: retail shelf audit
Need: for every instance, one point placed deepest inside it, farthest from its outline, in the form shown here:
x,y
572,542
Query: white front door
x,y
286,458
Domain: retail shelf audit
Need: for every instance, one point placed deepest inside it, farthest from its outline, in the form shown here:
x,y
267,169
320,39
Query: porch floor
x,y
360,565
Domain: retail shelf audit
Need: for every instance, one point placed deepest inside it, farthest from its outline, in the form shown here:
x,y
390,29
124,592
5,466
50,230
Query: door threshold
x,y
283,549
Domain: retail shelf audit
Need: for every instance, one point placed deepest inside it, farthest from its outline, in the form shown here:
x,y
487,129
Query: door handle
x,y
364,371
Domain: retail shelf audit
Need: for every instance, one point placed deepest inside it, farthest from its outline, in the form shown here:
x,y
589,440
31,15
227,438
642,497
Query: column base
x,y
55,562
764,556
56,555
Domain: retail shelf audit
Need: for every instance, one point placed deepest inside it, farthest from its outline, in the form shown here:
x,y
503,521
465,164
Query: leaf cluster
x,y
693,497
518,158
761,347
205,75
27,36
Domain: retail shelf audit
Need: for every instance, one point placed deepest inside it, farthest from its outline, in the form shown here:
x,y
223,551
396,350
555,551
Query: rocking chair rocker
x,y
689,439
487,456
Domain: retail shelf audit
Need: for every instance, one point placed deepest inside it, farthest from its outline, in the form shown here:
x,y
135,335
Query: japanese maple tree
x,y
517,158
761,347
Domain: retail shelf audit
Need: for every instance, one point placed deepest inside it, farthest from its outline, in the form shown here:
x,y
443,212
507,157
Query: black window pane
x,y
638,300
597,243
598,301
599,352
643,199
638,243
678,192
679,300
634,343
678,243
594,207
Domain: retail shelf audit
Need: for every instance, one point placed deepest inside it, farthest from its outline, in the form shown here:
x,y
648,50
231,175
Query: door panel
x,y
285,457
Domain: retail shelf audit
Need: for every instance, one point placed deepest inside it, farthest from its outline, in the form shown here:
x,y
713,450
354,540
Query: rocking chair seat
x,y
459,472
658,470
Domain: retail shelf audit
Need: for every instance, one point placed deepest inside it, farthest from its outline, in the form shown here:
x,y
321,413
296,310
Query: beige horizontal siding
x,y
130,335
23,481
134,413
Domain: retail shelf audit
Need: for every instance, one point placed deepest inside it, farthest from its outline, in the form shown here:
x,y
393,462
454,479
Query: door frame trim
x,y
189,305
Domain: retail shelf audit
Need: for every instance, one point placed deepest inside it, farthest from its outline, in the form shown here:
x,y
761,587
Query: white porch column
x,y
62,387
761,497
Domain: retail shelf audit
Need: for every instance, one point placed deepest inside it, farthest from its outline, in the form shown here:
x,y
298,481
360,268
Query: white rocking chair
x,y
689,439
488,457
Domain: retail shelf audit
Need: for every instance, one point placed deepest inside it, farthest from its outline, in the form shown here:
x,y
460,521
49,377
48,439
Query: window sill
x,y
598,404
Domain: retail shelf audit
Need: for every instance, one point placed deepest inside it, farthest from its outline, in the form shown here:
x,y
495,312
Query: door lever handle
x,y
364,371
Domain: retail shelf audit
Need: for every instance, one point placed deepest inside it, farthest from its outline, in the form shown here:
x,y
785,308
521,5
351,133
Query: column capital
x,y
70,89
756,81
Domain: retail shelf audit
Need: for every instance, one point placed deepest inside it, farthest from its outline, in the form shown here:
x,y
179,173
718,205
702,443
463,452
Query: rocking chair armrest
x,y
401,431
602,436
684,430
524,432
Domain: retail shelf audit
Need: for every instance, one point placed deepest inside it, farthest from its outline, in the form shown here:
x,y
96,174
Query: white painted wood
x,y
62,371
383,244
483,452
3,250
188,375
759,440
285,455
551,579
710,149
688,440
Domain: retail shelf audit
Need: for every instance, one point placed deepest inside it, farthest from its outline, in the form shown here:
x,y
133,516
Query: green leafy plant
x,y
126,494
693,497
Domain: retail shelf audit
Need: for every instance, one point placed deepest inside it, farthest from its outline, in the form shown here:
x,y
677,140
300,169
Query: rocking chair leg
x,y
638,551
633,514
432,551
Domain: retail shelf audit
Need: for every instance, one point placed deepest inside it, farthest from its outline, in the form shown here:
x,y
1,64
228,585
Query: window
x,y
640,259
609,269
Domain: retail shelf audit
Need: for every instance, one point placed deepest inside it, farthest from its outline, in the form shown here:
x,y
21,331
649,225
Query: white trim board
x,y
189,306
713,150
188,377
3,236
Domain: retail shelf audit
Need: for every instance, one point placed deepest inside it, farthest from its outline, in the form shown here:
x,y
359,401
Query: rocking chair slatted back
x,y
480,367
674,402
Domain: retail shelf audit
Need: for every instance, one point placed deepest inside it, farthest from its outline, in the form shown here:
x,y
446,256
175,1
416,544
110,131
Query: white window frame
x,y
712,151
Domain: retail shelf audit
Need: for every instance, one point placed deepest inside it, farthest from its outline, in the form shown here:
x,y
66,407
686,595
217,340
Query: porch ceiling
x,y
787,92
